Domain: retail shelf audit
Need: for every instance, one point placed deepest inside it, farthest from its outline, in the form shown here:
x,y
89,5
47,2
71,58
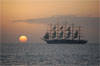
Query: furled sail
x,y
76,34
61,35
54,34
46,36
68,28
61,27
54,28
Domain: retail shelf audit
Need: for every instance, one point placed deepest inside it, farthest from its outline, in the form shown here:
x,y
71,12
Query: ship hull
x,y
66,41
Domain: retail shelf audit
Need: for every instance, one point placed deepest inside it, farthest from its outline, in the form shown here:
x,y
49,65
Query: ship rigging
x,y
63,34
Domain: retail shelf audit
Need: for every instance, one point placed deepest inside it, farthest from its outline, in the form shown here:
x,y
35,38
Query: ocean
x,y
49,55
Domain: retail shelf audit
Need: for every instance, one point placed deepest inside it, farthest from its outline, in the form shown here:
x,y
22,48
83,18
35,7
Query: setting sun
x,y
23,39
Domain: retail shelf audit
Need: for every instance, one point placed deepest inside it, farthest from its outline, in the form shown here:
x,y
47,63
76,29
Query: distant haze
x,y
31,18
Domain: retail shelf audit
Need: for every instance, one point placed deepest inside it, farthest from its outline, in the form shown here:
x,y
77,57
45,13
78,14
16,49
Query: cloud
x,y
55,19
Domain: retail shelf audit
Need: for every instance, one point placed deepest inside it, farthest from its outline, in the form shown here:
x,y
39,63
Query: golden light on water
x,y
23,39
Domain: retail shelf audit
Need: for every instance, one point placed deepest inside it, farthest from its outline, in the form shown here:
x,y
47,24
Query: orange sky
x,y
28,9
20,9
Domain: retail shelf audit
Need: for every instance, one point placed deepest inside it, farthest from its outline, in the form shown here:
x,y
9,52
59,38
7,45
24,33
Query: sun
x,y
23,39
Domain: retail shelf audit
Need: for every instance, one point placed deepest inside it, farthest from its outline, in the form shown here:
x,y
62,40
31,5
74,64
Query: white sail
x,y
68,35
75,34
46,36
61,34
54,34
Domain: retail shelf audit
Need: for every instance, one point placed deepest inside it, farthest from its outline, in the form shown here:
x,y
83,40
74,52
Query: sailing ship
x,y
63,35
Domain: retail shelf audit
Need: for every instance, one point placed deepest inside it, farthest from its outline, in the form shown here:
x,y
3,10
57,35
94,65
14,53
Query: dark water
x,y
49,55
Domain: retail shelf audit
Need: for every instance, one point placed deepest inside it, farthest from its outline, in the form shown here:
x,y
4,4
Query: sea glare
x,y
49,55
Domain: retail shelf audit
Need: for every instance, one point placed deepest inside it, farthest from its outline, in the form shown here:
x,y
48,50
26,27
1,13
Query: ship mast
x,y
79,31
50,31
57,30
72,30
65,30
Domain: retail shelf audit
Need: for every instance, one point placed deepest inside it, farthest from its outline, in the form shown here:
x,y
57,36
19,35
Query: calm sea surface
x,y
49,55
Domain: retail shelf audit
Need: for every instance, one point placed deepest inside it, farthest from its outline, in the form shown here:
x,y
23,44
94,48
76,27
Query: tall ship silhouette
x,y
63,34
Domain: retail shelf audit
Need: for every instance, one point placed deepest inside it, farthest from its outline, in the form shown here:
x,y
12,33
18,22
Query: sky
x,y
31,18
